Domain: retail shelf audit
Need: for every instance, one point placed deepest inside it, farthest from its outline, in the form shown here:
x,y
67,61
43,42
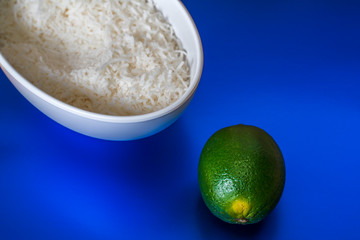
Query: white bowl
x,y
122,127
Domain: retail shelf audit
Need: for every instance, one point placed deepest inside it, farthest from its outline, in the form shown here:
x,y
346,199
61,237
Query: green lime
x,y
241,174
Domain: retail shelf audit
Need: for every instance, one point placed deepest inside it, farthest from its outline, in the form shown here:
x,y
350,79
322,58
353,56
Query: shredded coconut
x,y
115,57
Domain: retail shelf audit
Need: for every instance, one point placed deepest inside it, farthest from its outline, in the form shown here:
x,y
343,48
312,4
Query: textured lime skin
x,y
241,162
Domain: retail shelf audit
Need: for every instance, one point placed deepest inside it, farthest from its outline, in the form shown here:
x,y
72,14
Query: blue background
x,y
289,67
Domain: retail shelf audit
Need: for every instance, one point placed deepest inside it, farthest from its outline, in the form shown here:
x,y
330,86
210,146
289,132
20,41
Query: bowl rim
x,y
113,118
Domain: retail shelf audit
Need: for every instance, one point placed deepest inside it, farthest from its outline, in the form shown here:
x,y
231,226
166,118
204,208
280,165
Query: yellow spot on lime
x,y
239,208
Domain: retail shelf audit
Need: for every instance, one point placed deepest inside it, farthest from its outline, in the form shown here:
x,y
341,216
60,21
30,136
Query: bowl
x,y
122,127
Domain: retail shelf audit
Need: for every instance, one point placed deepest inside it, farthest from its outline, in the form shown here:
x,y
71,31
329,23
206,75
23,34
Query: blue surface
x,y
289,67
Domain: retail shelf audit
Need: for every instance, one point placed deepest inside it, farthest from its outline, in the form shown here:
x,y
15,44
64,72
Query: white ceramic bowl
x,y
122,127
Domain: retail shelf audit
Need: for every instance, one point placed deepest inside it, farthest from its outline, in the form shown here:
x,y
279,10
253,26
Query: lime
x,y
241,174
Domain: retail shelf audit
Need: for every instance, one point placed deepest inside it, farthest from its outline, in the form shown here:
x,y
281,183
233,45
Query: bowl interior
x,y
185,30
